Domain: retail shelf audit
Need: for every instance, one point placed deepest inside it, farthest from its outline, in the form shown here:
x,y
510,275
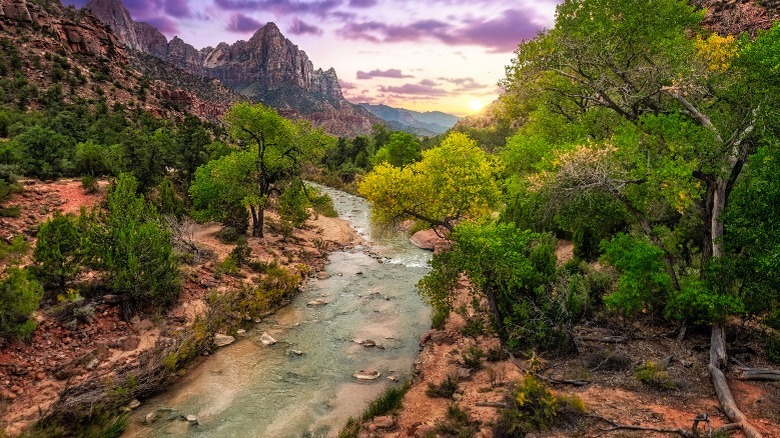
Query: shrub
x,y
388,402
474,327
457,424
445,389
439,317
229,235
472,358
58,252
532,407
89,183
19,297
773,348
654,375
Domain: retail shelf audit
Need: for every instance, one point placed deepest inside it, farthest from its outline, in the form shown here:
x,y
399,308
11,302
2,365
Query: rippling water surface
x,y
251,390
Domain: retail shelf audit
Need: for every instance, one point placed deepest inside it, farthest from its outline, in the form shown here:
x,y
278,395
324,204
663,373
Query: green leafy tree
x,y
224,188
280,148
133,247
513,270
453,181
57,254
400,149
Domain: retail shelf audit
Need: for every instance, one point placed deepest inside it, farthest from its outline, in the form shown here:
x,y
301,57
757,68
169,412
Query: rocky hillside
x,y
268,68
427,124
51,54
733,17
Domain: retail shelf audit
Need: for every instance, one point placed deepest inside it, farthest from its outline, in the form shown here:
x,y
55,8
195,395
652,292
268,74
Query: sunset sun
x,y
476,105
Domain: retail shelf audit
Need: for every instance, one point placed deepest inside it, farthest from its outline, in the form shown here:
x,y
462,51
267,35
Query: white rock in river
x,y
317,302
367,375
192,419
221,340
266,339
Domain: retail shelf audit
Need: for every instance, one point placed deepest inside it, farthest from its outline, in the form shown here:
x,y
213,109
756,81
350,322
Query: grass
x,y
389,402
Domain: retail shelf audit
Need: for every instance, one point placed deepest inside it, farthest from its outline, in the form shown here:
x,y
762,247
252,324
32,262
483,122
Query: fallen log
x,y
618,426
763,374
603,339
725,397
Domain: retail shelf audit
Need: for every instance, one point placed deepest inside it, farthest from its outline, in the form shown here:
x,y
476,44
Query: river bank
x,y
361,314
35,374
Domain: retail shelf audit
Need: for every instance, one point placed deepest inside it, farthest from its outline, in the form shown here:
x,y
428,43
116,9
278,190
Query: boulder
x,y
317,302
367,375
428,239
385,422
150,418
266,339
192,419
144,325
441,337
112,299
220,340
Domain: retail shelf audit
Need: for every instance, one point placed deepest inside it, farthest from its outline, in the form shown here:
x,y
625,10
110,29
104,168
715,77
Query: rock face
x,y
268,68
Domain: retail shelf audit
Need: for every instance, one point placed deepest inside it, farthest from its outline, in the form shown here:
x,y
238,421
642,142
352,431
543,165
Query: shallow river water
x,y
250,390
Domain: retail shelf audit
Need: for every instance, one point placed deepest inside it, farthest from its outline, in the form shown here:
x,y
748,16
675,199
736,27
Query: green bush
x,y
773,348
388,402
58,251
532,407
89,183
472,358
229,235
19,297
654,375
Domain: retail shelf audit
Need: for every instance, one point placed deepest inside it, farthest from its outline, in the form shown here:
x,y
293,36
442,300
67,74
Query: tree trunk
x,y
257,221
716,220
718,358
493,306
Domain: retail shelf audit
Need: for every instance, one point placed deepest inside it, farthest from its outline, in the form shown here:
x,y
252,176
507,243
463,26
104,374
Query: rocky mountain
x,y
426,124
59,53
267,68
732,17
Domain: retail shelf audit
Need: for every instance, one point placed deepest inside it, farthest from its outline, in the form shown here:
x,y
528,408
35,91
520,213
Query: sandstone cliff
x,y
43,31
267,68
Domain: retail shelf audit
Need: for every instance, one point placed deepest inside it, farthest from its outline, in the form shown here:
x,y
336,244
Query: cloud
x,y
419,89
163,24
362,3
299,27
390,73
241,23
178,8
347,85
499,34
143,9
281,7
465,84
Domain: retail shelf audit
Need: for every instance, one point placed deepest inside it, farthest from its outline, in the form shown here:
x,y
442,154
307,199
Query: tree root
x,y
618,426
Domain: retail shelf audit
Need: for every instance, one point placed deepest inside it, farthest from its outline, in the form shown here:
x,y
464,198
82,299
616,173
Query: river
x,y
248,389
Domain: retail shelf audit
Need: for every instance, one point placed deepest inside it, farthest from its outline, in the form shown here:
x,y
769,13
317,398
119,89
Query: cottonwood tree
x,y
279,146
453,181
690,109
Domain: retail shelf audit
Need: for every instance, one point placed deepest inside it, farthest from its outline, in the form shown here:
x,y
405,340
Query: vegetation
x,y
389,402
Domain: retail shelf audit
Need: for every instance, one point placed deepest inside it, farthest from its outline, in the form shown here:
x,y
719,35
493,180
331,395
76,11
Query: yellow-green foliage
x,y
533,407
653,374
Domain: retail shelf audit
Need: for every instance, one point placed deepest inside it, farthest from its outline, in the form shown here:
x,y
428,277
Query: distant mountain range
x,y
267,68
425,124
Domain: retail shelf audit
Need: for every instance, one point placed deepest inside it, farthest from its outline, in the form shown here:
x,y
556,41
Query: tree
x,y
57,253
453,181
280,147
132,245
514,271
401,149
224,188
689,110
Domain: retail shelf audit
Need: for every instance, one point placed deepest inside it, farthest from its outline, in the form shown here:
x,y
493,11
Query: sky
x,y
434,55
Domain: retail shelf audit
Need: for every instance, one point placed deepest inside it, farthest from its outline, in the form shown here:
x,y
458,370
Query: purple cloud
x,y
362,3
241,23
281,7
347,85
142,9
415,89
163,24
391,73
178,8
465,84
299,27
500,35
428,82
